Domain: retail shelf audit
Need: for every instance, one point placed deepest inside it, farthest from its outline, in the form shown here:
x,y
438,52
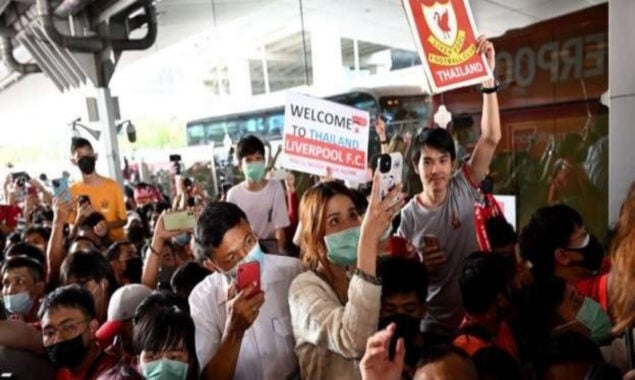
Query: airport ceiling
x,y
243,27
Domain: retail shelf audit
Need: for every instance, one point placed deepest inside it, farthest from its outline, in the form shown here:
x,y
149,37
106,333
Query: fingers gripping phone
x,y
61,190
179,220
247,274
391,172
83,199
431,243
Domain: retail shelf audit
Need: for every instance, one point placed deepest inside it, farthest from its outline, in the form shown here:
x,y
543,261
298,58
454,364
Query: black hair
x,y
436,138
549,228
160,206
34,267
114,251
162,321
216,219
436,352
88,265
495,363
41,215
93,219
567,347
25,249
80,142
249,145
538,311
187,276
14,237
122,371
400,275
42,231
499,232
70,296
483,277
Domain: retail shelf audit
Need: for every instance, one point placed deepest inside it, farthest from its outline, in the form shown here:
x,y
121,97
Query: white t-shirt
x,y
266,209
267,349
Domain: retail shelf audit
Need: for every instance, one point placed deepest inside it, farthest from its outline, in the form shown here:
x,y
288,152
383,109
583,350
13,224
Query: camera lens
x,y
384,163
55,183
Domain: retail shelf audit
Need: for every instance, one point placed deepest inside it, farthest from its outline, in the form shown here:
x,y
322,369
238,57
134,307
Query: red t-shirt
x,y
596,287
504,339
103,363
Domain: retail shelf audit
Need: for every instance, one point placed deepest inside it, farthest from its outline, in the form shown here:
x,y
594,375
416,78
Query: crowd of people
x,y
335,283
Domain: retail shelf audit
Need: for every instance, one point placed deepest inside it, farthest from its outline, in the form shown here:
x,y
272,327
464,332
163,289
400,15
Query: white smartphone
x,y
390,168
179,220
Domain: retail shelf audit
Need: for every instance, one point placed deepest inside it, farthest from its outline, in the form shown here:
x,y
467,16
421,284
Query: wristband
x,y
382,142
154,250
366,277
491,90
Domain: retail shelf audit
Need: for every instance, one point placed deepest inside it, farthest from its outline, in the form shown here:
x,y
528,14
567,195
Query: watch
x,y
491,90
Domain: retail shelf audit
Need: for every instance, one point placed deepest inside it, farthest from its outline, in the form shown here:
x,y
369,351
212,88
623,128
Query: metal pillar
x,y
109,144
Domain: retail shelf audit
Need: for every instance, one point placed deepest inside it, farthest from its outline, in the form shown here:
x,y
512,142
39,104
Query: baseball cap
x,y
121,308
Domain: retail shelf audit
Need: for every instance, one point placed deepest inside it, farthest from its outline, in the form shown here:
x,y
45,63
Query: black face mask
x,y
133,270
593,254
67,354
86,164
408,328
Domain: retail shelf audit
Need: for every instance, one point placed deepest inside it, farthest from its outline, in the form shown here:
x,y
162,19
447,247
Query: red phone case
x,y
246,275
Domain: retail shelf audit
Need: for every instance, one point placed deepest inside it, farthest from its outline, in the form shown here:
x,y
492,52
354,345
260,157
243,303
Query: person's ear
x,y
562,257
39,289
415,166
93,326
96,156
73,161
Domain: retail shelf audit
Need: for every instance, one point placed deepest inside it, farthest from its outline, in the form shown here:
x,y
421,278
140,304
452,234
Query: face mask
x,y
254,171
408,328
133,270
164,369
256,254
86,164
182,240
341,246
592,252
67,354
19,303
595,319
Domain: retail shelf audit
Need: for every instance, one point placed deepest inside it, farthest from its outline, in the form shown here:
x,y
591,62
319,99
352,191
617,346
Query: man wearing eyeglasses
x,y
68,334
439,221
240,335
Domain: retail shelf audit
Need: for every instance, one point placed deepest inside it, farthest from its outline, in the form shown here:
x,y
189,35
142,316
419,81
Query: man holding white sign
x,y
319,134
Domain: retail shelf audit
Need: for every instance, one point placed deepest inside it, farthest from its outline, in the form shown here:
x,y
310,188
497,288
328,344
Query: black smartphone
x,y
630,347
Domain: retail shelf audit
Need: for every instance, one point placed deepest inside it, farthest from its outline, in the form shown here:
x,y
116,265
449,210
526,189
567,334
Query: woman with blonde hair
x,y
335,304
622,281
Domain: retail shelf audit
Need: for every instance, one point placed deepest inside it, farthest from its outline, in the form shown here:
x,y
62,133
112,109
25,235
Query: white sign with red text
x,y
508,205
319,134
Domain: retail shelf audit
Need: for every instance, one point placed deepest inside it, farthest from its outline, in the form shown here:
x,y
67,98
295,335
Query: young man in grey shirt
x,y
443,213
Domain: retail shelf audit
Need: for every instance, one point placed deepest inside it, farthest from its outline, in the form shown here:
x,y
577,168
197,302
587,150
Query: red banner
x,y
445,35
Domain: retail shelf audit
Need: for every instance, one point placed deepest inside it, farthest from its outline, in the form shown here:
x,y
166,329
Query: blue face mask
x,y
164,369
254,171
341,246
256,254
595,319
20,303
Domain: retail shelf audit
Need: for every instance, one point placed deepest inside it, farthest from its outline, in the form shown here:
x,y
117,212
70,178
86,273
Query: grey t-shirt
x,y
453,224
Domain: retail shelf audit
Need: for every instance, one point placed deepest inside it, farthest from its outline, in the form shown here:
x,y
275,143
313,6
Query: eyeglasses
x,y
65,331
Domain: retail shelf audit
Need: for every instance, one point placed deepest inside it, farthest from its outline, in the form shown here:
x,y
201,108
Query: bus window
x,y
215,132
234,130
275,124
195,134
405,113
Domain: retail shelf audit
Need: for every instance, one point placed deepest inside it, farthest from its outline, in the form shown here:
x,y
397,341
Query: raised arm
x,y
55,252
490,121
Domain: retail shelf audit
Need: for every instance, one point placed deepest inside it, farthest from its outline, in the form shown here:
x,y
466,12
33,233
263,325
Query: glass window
x,y
195,134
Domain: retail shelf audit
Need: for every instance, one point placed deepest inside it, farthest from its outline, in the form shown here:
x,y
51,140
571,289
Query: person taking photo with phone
x,y
439,221
335,304
95,192
230,319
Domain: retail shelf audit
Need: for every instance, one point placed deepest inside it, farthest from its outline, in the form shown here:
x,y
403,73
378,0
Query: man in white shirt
x,y
262,200
240,337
